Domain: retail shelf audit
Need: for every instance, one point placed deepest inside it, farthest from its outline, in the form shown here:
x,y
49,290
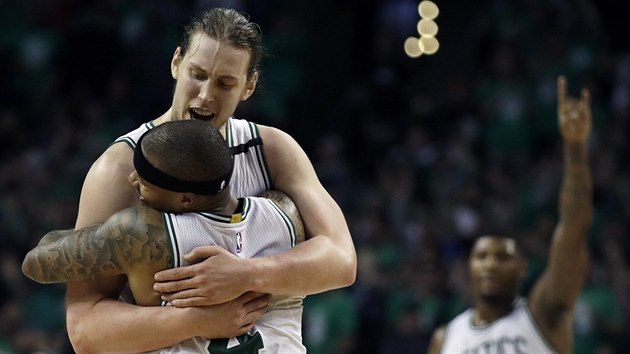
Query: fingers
x,y
586,99
189,302
174,274
175,297
173,286
562,90
256,307
251,295
203,252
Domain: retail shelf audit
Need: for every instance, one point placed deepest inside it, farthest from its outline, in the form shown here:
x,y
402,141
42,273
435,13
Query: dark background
x,y
422,154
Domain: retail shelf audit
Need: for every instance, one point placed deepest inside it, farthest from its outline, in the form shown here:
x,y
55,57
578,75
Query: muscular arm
x,y
131,242
327,260
131,238
554,295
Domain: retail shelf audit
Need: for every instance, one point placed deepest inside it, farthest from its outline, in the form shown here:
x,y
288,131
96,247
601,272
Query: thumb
x,y
201,253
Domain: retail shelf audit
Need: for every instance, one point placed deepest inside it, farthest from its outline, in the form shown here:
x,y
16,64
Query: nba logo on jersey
x,y
239,242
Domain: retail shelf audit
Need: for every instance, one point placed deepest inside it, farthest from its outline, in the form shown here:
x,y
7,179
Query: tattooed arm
x,y
131,239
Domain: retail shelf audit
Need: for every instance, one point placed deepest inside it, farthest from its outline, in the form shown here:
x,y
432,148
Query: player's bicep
x,y
293,174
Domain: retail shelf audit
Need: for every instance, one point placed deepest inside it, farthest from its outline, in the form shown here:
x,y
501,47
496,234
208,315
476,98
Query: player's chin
x,y
495,296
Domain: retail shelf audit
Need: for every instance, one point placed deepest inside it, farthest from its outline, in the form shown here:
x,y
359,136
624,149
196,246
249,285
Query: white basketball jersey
x,y
260,229
251,174
515,333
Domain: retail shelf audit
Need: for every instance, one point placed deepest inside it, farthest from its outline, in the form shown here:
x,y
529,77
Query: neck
x,y
223,203
165,117
490,310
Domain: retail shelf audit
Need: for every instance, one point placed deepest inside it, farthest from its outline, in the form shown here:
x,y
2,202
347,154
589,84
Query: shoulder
x,y
286,205
117,159
287,160
435,346
135,221
280,199
131,138
274,137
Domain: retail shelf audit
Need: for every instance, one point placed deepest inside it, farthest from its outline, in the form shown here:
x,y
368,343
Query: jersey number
x,y
248,344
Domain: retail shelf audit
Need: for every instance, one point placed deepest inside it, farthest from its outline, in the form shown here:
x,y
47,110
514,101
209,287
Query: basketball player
x,y
500,321
215,68
182,168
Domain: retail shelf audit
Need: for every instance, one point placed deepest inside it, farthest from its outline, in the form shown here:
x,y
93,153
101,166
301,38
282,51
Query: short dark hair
x,y
230,26
190,150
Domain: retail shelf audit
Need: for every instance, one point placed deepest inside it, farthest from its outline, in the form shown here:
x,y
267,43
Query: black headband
x,y
151,174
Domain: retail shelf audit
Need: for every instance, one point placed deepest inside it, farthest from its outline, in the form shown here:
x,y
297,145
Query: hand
x,y
220,277
229,319
574,116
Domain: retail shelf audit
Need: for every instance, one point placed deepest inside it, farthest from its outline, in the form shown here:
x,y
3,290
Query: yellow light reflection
x,y
430,44
427,27
413,47
428,9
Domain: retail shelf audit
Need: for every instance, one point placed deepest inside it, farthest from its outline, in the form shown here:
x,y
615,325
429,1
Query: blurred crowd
x,y
422,154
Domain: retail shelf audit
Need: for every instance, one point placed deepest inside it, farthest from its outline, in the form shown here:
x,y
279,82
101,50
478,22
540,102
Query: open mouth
x,y
200,116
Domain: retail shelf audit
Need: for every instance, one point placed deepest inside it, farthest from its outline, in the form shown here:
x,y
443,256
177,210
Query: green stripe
x,y
216,217
287,222
172,239
126,140
228,133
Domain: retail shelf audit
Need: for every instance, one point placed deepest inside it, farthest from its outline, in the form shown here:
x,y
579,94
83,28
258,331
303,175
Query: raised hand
x,y
574,115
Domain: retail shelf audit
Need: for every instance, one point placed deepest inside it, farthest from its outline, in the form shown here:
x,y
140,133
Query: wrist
x,y
190,319
258,274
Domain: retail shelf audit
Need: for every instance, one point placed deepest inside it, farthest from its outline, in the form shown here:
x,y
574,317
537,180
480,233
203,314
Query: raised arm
x,y
553,297
326,260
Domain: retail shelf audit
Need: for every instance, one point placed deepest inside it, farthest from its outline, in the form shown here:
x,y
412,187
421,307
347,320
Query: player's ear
x,y
188,201
176,61
250,86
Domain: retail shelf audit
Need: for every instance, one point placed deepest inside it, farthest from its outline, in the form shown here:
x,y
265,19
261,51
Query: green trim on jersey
x,y
287,221
172,239
129,141
224,218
